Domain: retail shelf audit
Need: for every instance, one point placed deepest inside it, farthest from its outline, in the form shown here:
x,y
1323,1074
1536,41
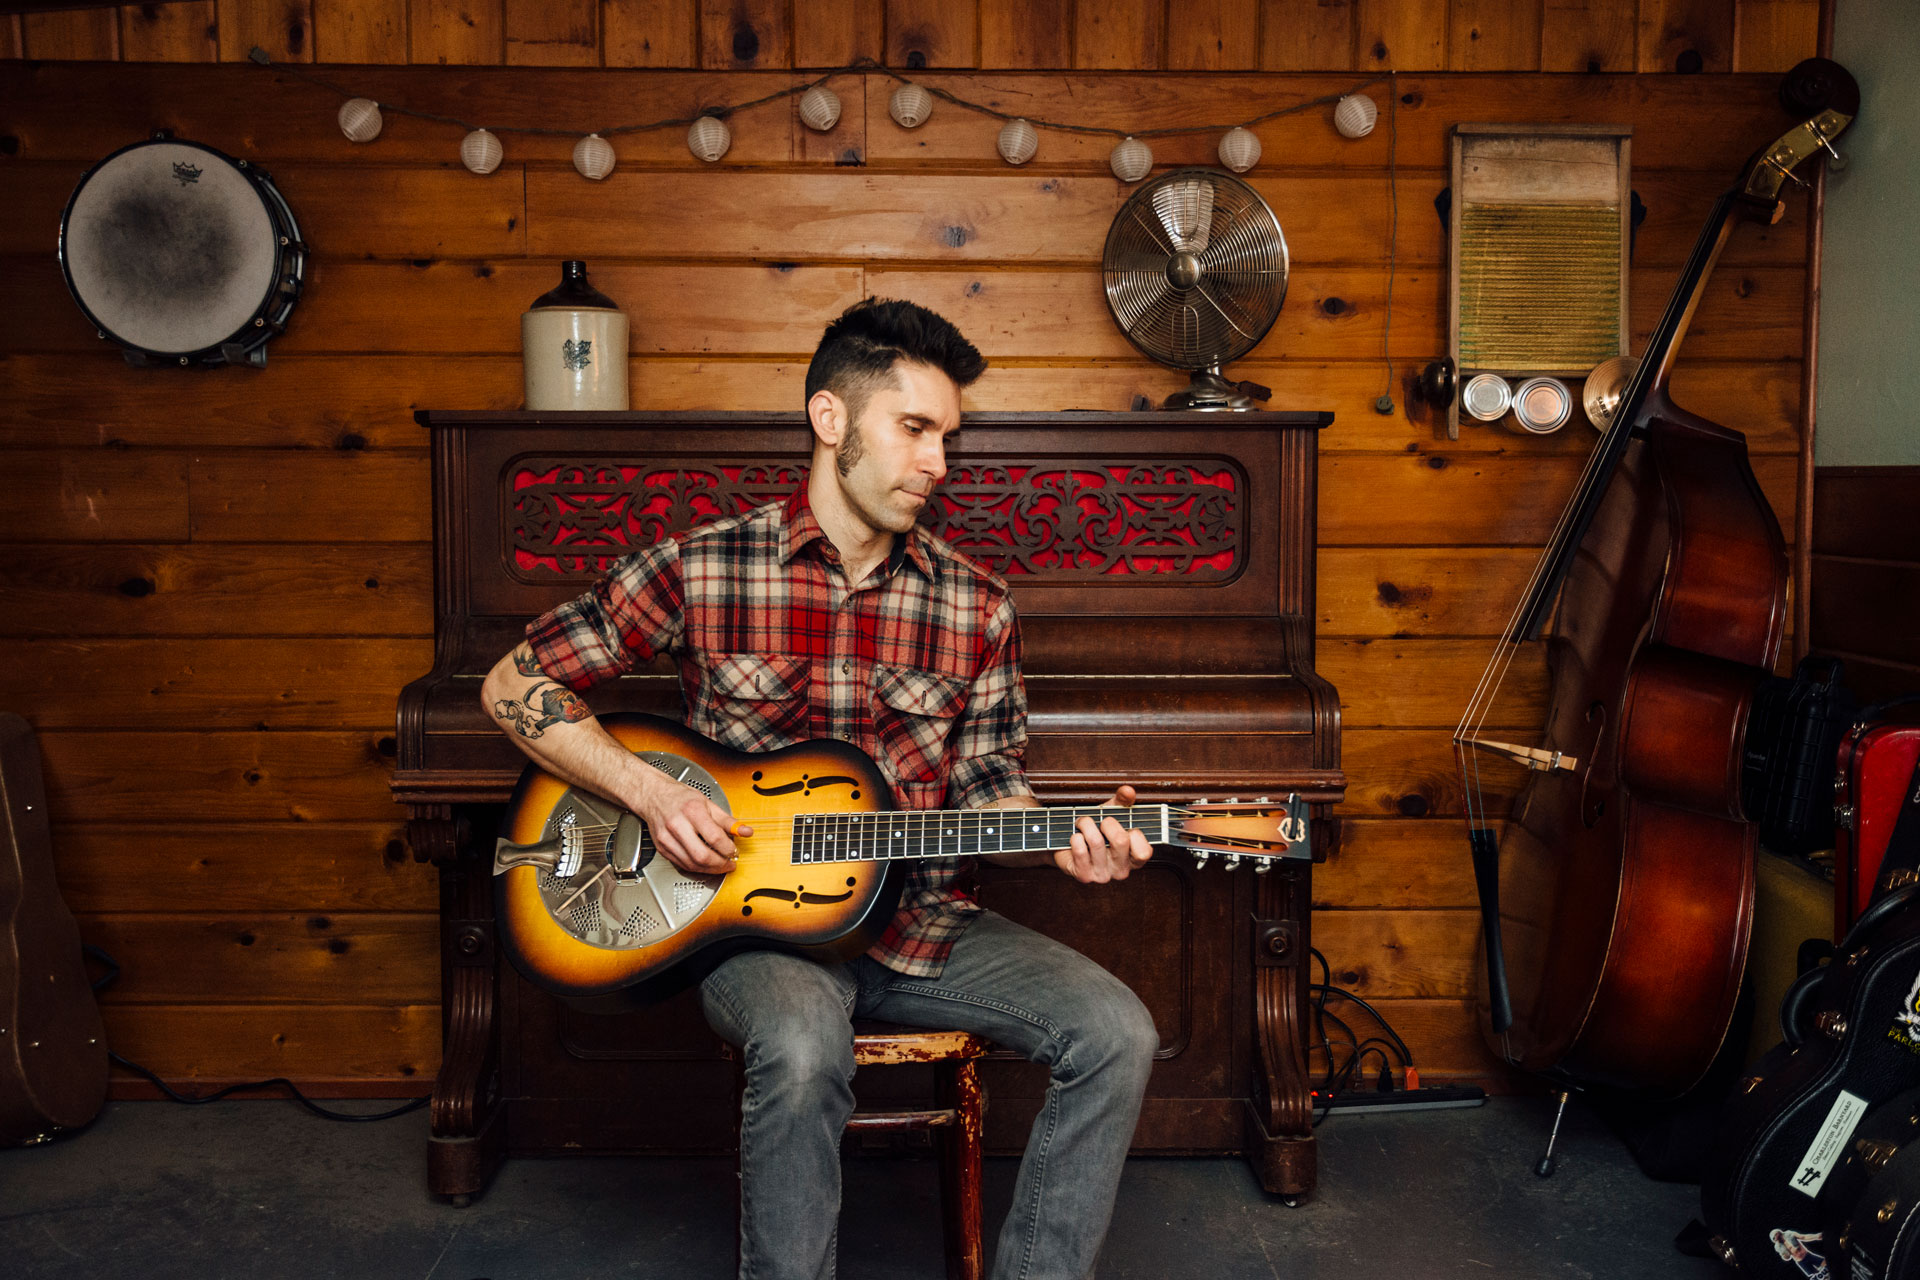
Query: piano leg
x,y
466,1139
1280,1142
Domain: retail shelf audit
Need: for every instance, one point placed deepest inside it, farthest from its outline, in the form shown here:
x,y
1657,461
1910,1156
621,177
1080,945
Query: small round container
x,y
1542,405
1486,397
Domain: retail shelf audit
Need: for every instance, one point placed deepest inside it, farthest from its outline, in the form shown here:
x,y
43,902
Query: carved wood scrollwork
x,y
1068,520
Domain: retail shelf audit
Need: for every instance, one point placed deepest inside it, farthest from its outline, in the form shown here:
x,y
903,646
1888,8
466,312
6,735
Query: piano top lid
x,y
1250,420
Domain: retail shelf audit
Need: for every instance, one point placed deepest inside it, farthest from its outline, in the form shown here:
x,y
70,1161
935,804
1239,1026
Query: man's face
x,y
888,462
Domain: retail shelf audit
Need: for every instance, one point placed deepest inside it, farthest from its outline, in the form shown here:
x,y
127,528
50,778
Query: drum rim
x,y
287,245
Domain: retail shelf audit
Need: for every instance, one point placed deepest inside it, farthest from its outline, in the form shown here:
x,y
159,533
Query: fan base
x,y
1208,391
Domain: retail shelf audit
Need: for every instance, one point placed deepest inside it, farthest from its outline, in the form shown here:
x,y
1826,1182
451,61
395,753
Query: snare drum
x,y
182,254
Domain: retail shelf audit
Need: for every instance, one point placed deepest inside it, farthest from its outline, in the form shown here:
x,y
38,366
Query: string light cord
x,y
1384,405
862,66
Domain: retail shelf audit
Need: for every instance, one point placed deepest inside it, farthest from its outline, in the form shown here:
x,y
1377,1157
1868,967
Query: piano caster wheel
x,y
460,1201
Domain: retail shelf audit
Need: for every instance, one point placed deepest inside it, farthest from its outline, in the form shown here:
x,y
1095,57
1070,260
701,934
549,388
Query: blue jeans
x,y
792,1019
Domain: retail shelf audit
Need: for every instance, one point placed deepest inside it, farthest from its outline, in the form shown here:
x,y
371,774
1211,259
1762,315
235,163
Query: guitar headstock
x,y
1826,98
1260,831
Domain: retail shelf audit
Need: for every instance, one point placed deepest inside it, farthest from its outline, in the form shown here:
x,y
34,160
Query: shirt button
x,y
846,668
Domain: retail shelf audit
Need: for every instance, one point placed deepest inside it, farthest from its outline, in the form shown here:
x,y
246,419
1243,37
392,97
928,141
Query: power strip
x,y
1426,1099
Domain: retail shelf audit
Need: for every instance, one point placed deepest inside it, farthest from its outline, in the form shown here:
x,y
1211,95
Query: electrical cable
x,y
1338,1078
112,974
860,66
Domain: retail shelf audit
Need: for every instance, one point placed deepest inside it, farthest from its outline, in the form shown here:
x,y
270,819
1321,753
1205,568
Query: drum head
x,y
169,247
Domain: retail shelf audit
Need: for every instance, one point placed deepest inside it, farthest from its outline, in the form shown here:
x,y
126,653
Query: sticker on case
x,y
1811,1173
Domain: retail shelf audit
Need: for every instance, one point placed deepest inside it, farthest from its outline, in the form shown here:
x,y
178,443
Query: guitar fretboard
x,y
947,833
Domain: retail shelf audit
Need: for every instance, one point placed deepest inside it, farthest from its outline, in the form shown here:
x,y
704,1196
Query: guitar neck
x,y
948,833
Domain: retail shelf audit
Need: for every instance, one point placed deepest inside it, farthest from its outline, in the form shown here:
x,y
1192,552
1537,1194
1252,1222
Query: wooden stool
x,y
955,1119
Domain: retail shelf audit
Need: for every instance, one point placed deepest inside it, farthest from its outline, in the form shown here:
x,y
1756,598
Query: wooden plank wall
x,y
1866,576
216,582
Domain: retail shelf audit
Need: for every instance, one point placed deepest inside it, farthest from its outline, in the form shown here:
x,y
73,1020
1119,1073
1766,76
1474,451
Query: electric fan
x,y
1196,270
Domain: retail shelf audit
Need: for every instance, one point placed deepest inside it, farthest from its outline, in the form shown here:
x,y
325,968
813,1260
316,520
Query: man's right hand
x,y
691,831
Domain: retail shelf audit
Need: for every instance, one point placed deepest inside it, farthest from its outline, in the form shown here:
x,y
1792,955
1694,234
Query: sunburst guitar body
x,y
590,911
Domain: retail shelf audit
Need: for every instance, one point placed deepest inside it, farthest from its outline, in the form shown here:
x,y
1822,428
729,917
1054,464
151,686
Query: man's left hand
x,y
1104,850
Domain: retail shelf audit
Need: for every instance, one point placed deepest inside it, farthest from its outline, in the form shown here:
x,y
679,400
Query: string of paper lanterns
x,y
910,106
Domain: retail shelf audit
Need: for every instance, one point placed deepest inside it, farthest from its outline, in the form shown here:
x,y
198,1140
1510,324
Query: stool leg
x,y
960,1170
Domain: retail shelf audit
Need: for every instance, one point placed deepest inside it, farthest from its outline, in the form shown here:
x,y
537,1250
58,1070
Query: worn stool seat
x,y
954,1120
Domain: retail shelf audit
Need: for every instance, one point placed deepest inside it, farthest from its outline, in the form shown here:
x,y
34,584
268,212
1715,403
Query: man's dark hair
x,y
857,353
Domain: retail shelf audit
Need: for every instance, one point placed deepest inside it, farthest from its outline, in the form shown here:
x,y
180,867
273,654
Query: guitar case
x,y
1873,1209
1793,1117
53,1049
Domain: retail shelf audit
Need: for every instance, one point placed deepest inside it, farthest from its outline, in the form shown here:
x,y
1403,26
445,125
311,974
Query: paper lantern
x,y
1355,115
360,119
910,106
1131,160
1018,142
708,138
820,108
1239,150
593,157
480,151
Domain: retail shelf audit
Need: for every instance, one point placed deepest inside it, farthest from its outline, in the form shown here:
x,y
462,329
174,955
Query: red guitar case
x,y
1875,774
53,1050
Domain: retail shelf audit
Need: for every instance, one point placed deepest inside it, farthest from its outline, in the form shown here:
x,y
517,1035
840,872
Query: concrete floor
x,y
261,1189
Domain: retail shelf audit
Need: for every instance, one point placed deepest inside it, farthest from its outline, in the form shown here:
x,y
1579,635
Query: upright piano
x,y
1163,567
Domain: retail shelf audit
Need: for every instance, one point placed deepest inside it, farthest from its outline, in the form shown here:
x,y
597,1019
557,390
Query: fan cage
x,y
1234,251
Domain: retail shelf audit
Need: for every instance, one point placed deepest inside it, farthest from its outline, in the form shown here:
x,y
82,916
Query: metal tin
x,y
1486,396
1542,405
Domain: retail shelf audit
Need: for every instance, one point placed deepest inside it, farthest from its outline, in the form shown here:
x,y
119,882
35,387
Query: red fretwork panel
x,y
1075,520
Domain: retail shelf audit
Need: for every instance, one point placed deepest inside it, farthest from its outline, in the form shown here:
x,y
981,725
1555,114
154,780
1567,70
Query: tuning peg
x,y
1231,800
1264,800
1231,862
1199,859
1262,865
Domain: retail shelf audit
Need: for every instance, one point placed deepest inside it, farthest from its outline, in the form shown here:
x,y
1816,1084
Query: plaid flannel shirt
x,y
919,667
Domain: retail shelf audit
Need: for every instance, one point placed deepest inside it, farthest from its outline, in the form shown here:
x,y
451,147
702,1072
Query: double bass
x,y
1618,900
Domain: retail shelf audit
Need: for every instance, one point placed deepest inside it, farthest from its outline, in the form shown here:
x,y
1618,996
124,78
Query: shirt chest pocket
x,y
913,713
755,703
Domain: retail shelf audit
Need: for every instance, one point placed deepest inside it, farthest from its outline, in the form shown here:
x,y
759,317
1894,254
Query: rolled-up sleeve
x,y
988,743
632,612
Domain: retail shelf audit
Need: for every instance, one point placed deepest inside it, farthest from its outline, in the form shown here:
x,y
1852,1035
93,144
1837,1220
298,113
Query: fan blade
x,y
1135,299
1208,296
1155,263
1186,211
1155,232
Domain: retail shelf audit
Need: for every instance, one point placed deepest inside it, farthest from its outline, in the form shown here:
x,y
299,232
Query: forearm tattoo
x,y
544,705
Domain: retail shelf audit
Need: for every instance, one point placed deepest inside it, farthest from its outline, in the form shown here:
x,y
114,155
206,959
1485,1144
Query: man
x,y
834,614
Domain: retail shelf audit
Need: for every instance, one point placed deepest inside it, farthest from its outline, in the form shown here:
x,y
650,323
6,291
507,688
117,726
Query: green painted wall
x,y
1869,391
